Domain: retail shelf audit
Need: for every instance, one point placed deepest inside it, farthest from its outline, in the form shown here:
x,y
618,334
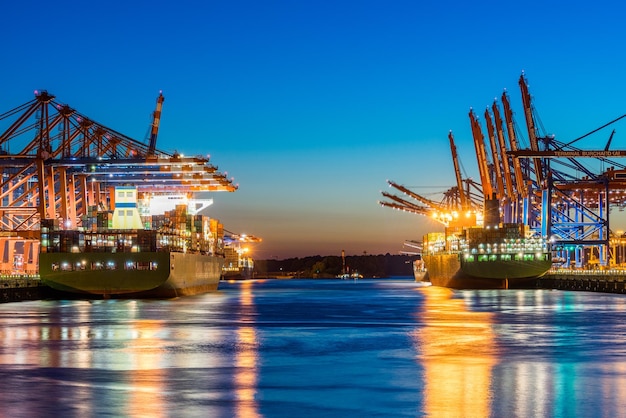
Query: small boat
x,y
347,276
419,271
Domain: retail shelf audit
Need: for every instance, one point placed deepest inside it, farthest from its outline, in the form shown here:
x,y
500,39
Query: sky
x,y
311,106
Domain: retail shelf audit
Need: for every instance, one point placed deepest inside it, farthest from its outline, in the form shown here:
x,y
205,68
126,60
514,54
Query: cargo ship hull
x,y
448,270
238,274
131,275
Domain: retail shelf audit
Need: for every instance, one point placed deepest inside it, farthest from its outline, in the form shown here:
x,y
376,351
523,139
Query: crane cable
x,y
594,131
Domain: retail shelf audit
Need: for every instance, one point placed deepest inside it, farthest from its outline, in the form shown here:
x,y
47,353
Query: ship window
x,y
129,212
130,265
493,257
469,258
111,265
483,257
505,257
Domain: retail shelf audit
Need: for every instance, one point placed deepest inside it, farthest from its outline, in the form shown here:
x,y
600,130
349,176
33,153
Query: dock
x,y
585,280
16,288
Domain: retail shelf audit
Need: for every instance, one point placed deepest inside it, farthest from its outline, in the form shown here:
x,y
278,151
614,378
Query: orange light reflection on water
x,y
246,361
147,375
458,351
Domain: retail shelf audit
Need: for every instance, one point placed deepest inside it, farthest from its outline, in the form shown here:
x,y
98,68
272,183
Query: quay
x,y
16,288
605,281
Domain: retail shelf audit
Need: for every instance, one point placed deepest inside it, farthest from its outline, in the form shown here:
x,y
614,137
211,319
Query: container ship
x,y
238,264
485,257
121,253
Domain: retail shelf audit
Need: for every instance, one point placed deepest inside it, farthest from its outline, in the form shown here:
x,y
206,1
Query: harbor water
x,y
318,348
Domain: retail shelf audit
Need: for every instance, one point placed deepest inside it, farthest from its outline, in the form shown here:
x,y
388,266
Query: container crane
x,y
495,155
67,163
520,181
481,157
506,166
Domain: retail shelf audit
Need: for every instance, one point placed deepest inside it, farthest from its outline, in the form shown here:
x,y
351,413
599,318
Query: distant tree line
x,y
331,266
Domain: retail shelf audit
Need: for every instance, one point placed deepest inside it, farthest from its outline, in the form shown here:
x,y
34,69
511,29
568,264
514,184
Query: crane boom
x,y
494,154
156,119
532,130
517,167
481,157
409,209
430,203
457,172
405,203
506,167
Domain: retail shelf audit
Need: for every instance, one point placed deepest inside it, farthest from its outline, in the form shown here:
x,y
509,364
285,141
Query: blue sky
x,y
312,105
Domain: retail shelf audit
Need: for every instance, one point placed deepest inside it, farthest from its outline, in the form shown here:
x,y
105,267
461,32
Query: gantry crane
x,y
566,199
575,199
68,163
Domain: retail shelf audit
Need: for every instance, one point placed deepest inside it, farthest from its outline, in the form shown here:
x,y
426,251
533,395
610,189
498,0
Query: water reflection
x,y
522,353
97,351
457,350
246,367
316,348
146,369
